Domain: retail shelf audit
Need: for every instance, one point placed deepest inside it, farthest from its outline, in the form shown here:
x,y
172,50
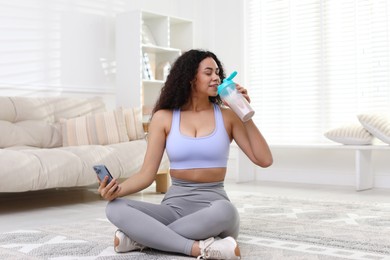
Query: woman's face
x,y
207,79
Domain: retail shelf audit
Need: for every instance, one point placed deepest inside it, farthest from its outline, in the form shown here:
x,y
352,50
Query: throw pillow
x,y
133,119
377,124
101,128
353,134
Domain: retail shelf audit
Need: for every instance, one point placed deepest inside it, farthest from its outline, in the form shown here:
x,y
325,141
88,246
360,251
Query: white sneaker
x,y
123,243
226,248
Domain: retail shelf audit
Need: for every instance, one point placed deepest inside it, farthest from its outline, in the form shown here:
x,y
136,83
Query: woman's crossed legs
x,y
159,226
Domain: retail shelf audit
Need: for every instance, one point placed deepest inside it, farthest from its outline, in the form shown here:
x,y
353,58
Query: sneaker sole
x,y
116,243
237,251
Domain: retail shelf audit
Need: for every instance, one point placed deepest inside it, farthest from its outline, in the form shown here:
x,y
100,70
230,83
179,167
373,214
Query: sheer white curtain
x,y
316,64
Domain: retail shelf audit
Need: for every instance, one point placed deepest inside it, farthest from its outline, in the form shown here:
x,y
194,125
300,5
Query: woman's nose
x,y
217,78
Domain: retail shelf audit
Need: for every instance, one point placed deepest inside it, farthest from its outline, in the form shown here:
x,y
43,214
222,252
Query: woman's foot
x,y
123,243
226,248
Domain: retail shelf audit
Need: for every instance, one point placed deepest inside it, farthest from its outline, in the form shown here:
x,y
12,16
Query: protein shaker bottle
x,y
237,102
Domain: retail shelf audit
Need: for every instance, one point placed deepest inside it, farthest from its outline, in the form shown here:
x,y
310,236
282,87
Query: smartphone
x,y
102,171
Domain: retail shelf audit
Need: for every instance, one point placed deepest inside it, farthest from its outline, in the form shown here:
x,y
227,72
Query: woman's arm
x,y
154,153
249,138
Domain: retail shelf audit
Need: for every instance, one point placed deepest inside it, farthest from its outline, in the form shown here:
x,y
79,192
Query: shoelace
x,y
208,252
132,243
137,245
213,253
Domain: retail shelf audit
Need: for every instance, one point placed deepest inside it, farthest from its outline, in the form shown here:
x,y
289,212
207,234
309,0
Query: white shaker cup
x,y
237,102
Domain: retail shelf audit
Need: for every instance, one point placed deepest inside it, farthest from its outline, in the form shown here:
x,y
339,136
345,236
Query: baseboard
x,y
294,176
382,181
318,177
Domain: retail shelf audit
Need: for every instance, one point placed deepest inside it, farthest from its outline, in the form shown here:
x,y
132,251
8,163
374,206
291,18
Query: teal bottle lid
x,y
226,82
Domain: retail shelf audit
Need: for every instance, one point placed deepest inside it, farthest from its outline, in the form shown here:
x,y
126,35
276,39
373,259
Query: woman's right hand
x,y
109,191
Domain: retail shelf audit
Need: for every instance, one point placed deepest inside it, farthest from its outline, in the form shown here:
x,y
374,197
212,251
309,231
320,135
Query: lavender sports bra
x,y
211,151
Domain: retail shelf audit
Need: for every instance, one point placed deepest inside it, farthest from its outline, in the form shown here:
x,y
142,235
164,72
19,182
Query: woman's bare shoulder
x,y
162,114
162,119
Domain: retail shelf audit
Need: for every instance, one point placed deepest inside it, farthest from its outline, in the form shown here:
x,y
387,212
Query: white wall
x,y
55,47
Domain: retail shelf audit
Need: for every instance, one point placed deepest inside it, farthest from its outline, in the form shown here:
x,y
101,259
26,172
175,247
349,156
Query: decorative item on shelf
x,y
147,110
163,70
146,126
147,36
147,69
146,113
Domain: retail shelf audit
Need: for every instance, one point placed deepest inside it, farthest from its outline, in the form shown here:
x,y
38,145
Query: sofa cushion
x,y
33,108
32,121
31,133
65,107
7,109
29,168
36,169
133,118
101,128
122,159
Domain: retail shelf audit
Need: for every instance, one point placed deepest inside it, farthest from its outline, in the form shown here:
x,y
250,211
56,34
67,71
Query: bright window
x,y
315,64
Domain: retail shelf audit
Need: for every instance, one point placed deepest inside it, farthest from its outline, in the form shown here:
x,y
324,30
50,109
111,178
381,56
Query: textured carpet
x,y
271,228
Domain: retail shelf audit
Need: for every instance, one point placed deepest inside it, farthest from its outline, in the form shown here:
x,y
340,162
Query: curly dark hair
x,y
177,89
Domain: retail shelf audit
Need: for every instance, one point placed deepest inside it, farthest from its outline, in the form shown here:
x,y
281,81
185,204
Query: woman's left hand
x,y
109,191
243,91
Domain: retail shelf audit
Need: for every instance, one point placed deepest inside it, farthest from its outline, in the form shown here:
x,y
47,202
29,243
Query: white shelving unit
x,y
163,38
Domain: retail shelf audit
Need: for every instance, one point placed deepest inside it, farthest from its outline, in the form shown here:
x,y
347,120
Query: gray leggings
x,y
189,211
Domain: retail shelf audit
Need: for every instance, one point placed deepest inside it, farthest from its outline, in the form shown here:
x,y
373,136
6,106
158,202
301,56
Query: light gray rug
x,y
271,228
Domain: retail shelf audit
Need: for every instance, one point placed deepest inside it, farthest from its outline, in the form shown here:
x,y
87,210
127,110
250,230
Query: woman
x,y
189,121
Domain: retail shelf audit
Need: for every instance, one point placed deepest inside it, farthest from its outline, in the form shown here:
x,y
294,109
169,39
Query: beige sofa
x,y
53,142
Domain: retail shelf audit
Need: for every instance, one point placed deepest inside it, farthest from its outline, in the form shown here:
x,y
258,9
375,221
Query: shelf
x,y
159,49
157,83
163,39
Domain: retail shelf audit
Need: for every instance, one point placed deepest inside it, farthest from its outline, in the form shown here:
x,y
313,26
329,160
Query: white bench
x,y
363,163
